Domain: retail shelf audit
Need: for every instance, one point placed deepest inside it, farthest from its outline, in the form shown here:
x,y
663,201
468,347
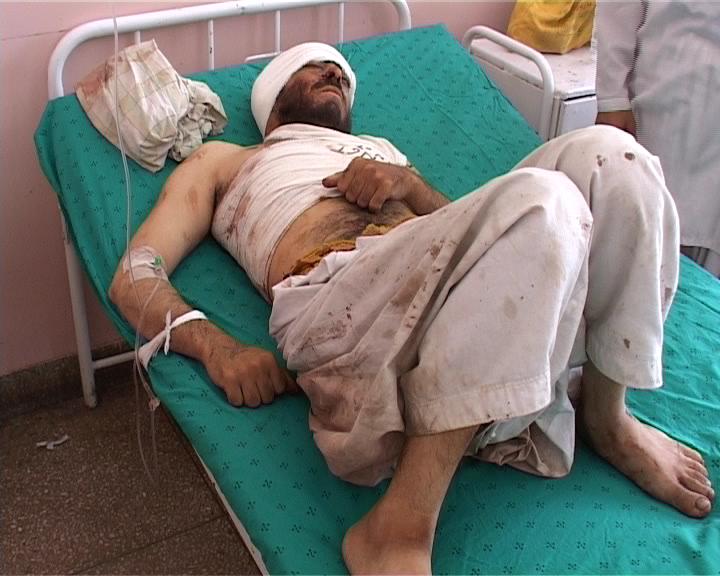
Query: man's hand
x,y
249,376
623,119
369,184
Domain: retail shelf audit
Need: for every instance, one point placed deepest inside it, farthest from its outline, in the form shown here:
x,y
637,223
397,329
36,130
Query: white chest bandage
x,y
148,350
280,182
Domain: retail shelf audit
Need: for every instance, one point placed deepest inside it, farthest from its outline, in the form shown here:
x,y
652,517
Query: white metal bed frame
x,y
548,82
137,23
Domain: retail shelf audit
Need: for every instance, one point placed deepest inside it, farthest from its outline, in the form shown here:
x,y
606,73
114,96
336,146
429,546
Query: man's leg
x,y
492,351
633,268
396,536
460,318
658,464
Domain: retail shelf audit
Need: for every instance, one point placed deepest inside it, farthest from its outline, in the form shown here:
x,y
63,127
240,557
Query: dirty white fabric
x,y
662,60
275,75
473,314
160,112
634,258
280,182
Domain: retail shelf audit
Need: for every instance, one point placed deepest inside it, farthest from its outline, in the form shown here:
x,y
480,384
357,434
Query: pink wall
x,y
35,314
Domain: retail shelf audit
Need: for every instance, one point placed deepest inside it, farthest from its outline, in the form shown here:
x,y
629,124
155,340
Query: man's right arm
x,y
180,219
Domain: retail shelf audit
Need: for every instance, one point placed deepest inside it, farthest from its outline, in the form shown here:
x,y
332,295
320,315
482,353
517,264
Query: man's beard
x,y
294,106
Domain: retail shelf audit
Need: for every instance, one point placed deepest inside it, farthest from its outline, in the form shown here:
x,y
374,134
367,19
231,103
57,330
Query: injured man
x,y
423,330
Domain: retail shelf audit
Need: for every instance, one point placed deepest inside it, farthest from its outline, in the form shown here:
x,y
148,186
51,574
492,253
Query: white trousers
x,y
471,315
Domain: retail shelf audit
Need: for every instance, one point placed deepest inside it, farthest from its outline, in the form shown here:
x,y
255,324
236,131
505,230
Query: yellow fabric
x,y
556,26
312,258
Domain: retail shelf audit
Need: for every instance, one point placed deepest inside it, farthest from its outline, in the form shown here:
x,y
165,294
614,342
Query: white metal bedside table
x,y
557,90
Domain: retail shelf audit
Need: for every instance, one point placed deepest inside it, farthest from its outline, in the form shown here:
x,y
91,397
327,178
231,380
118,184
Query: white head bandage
x,y
273,78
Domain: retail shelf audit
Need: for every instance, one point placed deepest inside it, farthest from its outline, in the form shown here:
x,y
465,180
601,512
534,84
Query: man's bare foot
x,y
378,544
661,466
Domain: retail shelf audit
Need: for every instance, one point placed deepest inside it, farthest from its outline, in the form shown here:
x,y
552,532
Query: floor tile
x,y
89,500
211,548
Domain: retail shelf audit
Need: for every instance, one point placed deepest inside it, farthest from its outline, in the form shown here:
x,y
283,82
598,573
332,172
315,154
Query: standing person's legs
x,y
633,270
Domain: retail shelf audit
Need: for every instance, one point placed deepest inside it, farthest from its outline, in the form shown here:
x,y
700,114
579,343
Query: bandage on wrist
x,y
144,262
149,350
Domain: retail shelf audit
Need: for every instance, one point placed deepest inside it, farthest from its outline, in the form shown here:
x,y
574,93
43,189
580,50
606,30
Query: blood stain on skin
x,y
629,155
192,198
197,155
600,160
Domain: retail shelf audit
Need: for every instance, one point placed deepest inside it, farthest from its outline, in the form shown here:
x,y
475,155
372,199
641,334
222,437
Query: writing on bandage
x,y
148,350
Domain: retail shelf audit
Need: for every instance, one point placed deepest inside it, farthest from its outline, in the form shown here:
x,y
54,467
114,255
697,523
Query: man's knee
x,y
606,134
561,207
603,143
626,167
550,190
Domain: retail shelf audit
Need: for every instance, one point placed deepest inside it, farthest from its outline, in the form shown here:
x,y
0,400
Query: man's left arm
x,y
369,184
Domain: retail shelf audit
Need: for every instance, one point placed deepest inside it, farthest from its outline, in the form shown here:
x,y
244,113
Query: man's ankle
x,y
403,525
602,400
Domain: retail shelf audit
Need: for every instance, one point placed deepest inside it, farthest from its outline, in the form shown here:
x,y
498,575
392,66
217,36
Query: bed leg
x,y
82,334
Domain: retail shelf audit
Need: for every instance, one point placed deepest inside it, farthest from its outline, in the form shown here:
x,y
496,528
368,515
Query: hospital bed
x,y
422,90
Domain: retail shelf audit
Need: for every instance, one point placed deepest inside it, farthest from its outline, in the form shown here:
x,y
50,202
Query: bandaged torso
x,y
279,183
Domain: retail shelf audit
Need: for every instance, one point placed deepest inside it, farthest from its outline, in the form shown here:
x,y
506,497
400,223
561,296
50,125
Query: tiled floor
x,y
88,507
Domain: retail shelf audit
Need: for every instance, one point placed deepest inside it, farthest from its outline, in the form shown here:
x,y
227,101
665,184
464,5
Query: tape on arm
x,y
144,262
150,349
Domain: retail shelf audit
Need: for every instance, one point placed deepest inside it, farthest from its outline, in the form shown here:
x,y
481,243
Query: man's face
x,y
319,94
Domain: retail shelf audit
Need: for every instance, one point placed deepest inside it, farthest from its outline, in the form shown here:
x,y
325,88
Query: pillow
x,y
159,110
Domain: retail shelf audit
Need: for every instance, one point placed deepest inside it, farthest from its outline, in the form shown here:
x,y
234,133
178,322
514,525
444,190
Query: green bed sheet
x,y
420,89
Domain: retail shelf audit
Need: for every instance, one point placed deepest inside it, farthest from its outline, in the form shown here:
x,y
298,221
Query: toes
x,y
690,502
690,453
698,484
696,466
703,506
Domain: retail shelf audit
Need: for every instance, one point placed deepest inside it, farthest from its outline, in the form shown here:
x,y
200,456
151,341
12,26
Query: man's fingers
x,y
351,178
251,394
267,390
365,190
332,180
234,395
382,193
277,379
376,202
